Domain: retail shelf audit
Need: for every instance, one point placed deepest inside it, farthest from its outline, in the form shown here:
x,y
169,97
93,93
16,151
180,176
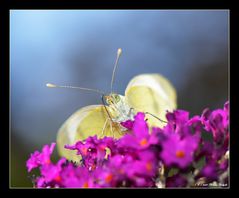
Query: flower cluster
x,y
186,152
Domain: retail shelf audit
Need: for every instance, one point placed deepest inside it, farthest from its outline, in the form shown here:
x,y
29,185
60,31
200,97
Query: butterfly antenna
x,y
119,52
71,87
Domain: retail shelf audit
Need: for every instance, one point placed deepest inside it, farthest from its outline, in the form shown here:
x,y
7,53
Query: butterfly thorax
x,y
119,109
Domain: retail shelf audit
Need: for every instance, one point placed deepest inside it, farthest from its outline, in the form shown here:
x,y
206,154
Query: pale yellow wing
x,y
151,93
87,121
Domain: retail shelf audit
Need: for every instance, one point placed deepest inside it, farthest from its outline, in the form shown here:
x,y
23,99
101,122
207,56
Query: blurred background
x,y
78,48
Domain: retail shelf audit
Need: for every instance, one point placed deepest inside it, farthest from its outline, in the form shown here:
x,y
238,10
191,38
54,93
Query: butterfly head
x,y
113,99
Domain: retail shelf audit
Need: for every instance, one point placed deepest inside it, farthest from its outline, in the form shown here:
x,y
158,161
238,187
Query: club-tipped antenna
x,y
71,87
119,52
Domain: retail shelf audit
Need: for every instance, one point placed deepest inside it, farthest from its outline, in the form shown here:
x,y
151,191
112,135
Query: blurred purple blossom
x,y
144,156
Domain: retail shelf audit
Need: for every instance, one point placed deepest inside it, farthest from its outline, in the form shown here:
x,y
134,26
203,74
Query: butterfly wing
x,y
151,93
87,121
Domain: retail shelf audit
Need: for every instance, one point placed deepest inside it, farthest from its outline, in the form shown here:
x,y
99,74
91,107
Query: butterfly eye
x,y
117,98
108,100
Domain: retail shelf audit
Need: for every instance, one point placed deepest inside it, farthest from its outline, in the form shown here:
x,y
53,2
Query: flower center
x,y
180,154
149,166
92,167
84,150
47,161
102,147
108,178
85,185
143,142
121,171
58,178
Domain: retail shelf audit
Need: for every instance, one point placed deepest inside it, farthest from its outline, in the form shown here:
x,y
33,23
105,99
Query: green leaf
x,y
173,171
200,163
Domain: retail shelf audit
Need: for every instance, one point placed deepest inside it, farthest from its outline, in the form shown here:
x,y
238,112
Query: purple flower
x,y
52,172
211,152
176,181
216,122
143,156
40,182
145,166
33,162
106,177
209,171
179,151
47,150
114,171
77,177
196,124
140,126
128,124
37,159
140,138
177,117
178,122
93,150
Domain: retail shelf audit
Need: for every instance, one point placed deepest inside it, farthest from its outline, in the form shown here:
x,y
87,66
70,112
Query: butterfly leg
x,y
111,128
148,114
130,111
103,129
155,117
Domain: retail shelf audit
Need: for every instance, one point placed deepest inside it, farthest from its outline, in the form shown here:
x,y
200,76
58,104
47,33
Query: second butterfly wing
x,y
151,93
